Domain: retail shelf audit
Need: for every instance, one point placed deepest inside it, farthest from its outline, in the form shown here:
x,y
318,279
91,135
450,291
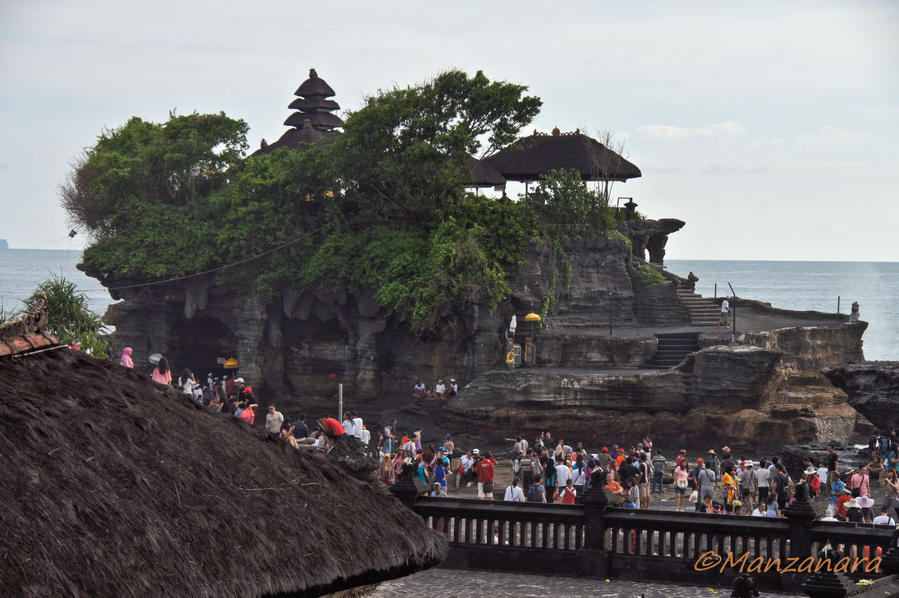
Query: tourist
x,y
853,511
773,510
748,485
449,448
832,461
658,473
893,458
780,484
286,434
161,373
187,382
463,472
453,387
126,358
579,475
725,312
563,474
875,467
513,492
388,439
737,507
762,478
419,390
486,472
619,494
707,480
358,426
549,478
729,483
537,493
441,471
385,470
248,414
761,509
568,493
439,390
643,476
300,429
438,491
706,505
884,518
814,484
890,483
859,481
632,494
273,421
347,424
681,483
421,469
866,503
842,500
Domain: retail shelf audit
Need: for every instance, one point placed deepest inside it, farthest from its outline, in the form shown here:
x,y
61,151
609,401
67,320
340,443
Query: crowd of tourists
x,y
550,470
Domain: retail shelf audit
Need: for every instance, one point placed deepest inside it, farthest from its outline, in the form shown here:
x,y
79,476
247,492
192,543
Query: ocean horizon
x,y
796,285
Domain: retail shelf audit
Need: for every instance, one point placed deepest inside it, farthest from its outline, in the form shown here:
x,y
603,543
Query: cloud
x,y
727,128
830,136
716,168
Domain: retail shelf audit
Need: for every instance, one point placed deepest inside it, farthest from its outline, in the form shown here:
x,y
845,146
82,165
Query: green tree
x,y
563,199
71,319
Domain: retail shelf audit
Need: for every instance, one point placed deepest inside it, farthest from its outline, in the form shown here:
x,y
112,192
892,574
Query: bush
x,y
649,276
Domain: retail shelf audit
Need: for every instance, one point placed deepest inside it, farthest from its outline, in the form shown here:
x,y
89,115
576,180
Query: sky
x,y
772,129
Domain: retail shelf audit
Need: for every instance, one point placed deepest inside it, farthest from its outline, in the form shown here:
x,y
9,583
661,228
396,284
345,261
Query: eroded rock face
x,y
873,389
766,390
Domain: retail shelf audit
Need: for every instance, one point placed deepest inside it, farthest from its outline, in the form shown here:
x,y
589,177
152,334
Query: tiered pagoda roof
x,y
313,119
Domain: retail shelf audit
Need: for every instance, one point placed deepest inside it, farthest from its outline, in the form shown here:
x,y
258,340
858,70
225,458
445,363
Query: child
x,y
568,493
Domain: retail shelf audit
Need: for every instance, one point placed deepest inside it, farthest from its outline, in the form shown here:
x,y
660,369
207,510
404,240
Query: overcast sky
x,y
771,129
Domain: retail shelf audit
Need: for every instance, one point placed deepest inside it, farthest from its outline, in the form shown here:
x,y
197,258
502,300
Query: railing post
x,y
595,502
406,487
827,584
800,515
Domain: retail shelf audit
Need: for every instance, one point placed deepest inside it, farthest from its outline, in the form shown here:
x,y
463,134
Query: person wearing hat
x,y
853,510
453,387
866,502
463,472
738,507
844,498
711,462
814,483
748,481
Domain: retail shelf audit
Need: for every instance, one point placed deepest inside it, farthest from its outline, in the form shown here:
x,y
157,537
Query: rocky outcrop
x,y
766,389
872,388
650,235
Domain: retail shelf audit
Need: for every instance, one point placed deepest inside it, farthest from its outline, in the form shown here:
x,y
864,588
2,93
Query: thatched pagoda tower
x,y
115,485
313,119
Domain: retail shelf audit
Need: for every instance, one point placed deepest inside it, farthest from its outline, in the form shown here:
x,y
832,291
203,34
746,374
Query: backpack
x,y
516,466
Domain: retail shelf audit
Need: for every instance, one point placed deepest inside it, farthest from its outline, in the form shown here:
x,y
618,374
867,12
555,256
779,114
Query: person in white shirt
x,y
514,493
822,475
563,474
348,424
761,477
440,389
725,312
884,518
357,425
419,390
761,508
366,436
464,466
273,421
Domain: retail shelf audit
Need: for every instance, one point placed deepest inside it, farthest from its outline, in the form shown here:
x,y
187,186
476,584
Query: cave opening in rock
x,y
197,344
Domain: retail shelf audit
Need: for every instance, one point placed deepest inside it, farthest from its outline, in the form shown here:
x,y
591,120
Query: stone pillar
x,y
800,516
595,502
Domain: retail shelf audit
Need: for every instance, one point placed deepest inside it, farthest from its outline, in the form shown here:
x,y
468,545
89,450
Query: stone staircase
x,y
672,349
704,311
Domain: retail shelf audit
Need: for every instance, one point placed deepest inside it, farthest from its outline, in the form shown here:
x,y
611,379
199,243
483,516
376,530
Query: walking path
x,y
453,583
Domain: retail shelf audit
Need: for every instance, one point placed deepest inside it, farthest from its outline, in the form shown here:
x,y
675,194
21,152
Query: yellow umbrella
x,y
231,363
532,317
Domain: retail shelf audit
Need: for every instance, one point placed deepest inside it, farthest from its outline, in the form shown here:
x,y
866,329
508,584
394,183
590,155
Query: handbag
x,y
682,484
694,496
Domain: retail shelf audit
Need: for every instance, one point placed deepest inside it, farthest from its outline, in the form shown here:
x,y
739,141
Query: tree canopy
x,y
381,205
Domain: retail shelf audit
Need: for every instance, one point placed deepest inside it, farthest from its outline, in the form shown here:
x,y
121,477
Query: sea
x,y
819,286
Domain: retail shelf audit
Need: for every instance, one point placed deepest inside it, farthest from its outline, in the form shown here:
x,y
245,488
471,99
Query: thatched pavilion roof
x,y
114,485
537,154
484,175
294,137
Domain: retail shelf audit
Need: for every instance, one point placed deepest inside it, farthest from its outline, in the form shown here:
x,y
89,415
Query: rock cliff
x,y
601,325
873,389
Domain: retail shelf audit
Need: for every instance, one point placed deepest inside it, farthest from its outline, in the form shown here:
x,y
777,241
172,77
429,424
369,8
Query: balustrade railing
x,y
653,544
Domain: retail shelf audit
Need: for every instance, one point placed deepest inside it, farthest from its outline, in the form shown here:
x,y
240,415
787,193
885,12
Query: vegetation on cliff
x,y
382,204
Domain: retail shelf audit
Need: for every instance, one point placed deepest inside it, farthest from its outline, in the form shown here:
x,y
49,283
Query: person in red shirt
x,y
568,493
486,472
841,504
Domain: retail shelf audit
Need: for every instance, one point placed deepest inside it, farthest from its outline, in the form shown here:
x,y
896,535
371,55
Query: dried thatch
x,y
113,485
535,155
313,104
314,86
484,175
294,137
319,120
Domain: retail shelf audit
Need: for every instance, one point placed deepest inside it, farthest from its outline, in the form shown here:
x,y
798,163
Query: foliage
x,y
382,205
649,276
563,199
71,319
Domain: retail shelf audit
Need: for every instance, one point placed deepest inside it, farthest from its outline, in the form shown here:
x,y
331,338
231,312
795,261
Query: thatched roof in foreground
x,y
532,156
113,485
